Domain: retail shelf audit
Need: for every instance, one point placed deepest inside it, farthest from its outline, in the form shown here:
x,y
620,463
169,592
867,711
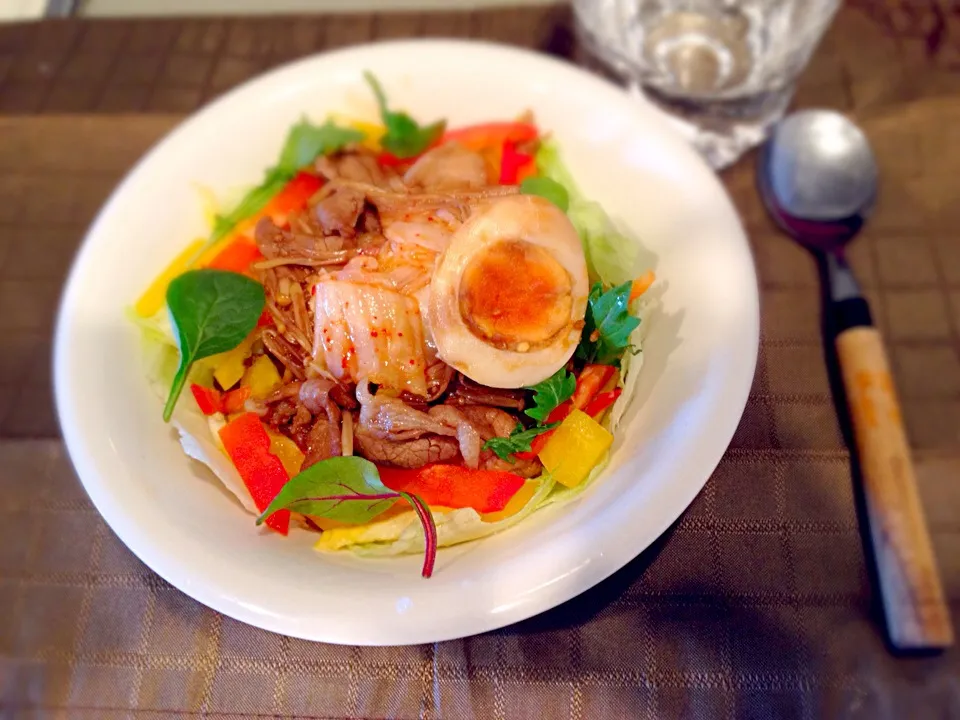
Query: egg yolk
x,y
515,296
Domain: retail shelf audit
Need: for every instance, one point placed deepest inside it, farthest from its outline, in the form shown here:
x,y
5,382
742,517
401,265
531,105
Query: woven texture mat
x,y
757,603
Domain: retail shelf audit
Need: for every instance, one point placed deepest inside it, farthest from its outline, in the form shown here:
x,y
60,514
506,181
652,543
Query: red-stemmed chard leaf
x,y
348,489
429,532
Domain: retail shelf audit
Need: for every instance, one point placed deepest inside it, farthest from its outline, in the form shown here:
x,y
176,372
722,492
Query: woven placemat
x,y
757,603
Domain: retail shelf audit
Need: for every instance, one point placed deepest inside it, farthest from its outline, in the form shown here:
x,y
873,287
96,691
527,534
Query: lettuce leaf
x,y
197,433
611,255
631,362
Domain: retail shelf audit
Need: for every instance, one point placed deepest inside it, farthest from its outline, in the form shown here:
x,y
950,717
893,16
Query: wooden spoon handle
x,y
916,613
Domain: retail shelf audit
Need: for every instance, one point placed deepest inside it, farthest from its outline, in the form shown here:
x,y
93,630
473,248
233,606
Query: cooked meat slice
x,y
523,468
414,401
280,413
466,392
324,440
358,166
276,243
315,394
284,392
448,167
339,212
344,395
408,454
301,422
490,422
390,418
467,435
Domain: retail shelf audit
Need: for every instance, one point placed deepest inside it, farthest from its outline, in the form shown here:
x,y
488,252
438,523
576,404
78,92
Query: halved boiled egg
x,y
508,297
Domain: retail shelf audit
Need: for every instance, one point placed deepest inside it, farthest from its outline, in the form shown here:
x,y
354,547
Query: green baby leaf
x,y
212,311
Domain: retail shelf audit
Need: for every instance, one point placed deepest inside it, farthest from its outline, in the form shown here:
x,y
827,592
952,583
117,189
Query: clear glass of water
x,y
725,70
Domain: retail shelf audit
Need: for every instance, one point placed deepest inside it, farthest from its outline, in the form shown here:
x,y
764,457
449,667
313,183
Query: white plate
x,y
699,361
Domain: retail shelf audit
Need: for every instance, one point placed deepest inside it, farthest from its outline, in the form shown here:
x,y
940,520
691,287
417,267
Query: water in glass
x,y
725,69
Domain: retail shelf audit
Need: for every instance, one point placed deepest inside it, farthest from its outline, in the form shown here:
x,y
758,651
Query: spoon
x,y
818,179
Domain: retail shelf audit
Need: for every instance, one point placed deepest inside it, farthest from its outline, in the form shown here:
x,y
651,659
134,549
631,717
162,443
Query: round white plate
x,y
700,353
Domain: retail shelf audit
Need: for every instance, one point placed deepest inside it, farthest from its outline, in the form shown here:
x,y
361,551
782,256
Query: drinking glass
x,y
724,70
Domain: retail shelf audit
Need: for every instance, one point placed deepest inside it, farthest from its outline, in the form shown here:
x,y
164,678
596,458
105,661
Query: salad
x,y
407,336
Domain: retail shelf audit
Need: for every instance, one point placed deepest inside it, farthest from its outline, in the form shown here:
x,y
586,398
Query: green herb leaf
x,y
253,202
307,141
404,137
347,489
212,311
547,188
607,325
548,394
519,440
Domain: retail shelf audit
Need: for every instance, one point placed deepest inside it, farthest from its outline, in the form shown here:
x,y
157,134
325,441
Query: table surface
x,y
757,603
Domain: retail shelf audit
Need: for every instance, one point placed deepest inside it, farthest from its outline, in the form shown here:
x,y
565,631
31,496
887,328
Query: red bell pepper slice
x,y
237,256
266,319
248,446
386,159
592,378
515,166
601,402
233,400
293,197
453,486
494,134
209,400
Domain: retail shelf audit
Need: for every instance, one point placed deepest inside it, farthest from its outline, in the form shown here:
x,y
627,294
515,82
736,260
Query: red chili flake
x,y
399,334
373,333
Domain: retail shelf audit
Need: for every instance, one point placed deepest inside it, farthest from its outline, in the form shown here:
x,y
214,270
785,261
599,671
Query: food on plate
x,y
407,336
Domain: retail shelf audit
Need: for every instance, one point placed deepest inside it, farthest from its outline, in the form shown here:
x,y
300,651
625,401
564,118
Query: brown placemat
x,y
756,603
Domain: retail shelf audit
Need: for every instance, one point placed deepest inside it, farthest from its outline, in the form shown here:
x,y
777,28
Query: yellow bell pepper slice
x,y
229,367
261,377
372,131
575,448
156,295
288,452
